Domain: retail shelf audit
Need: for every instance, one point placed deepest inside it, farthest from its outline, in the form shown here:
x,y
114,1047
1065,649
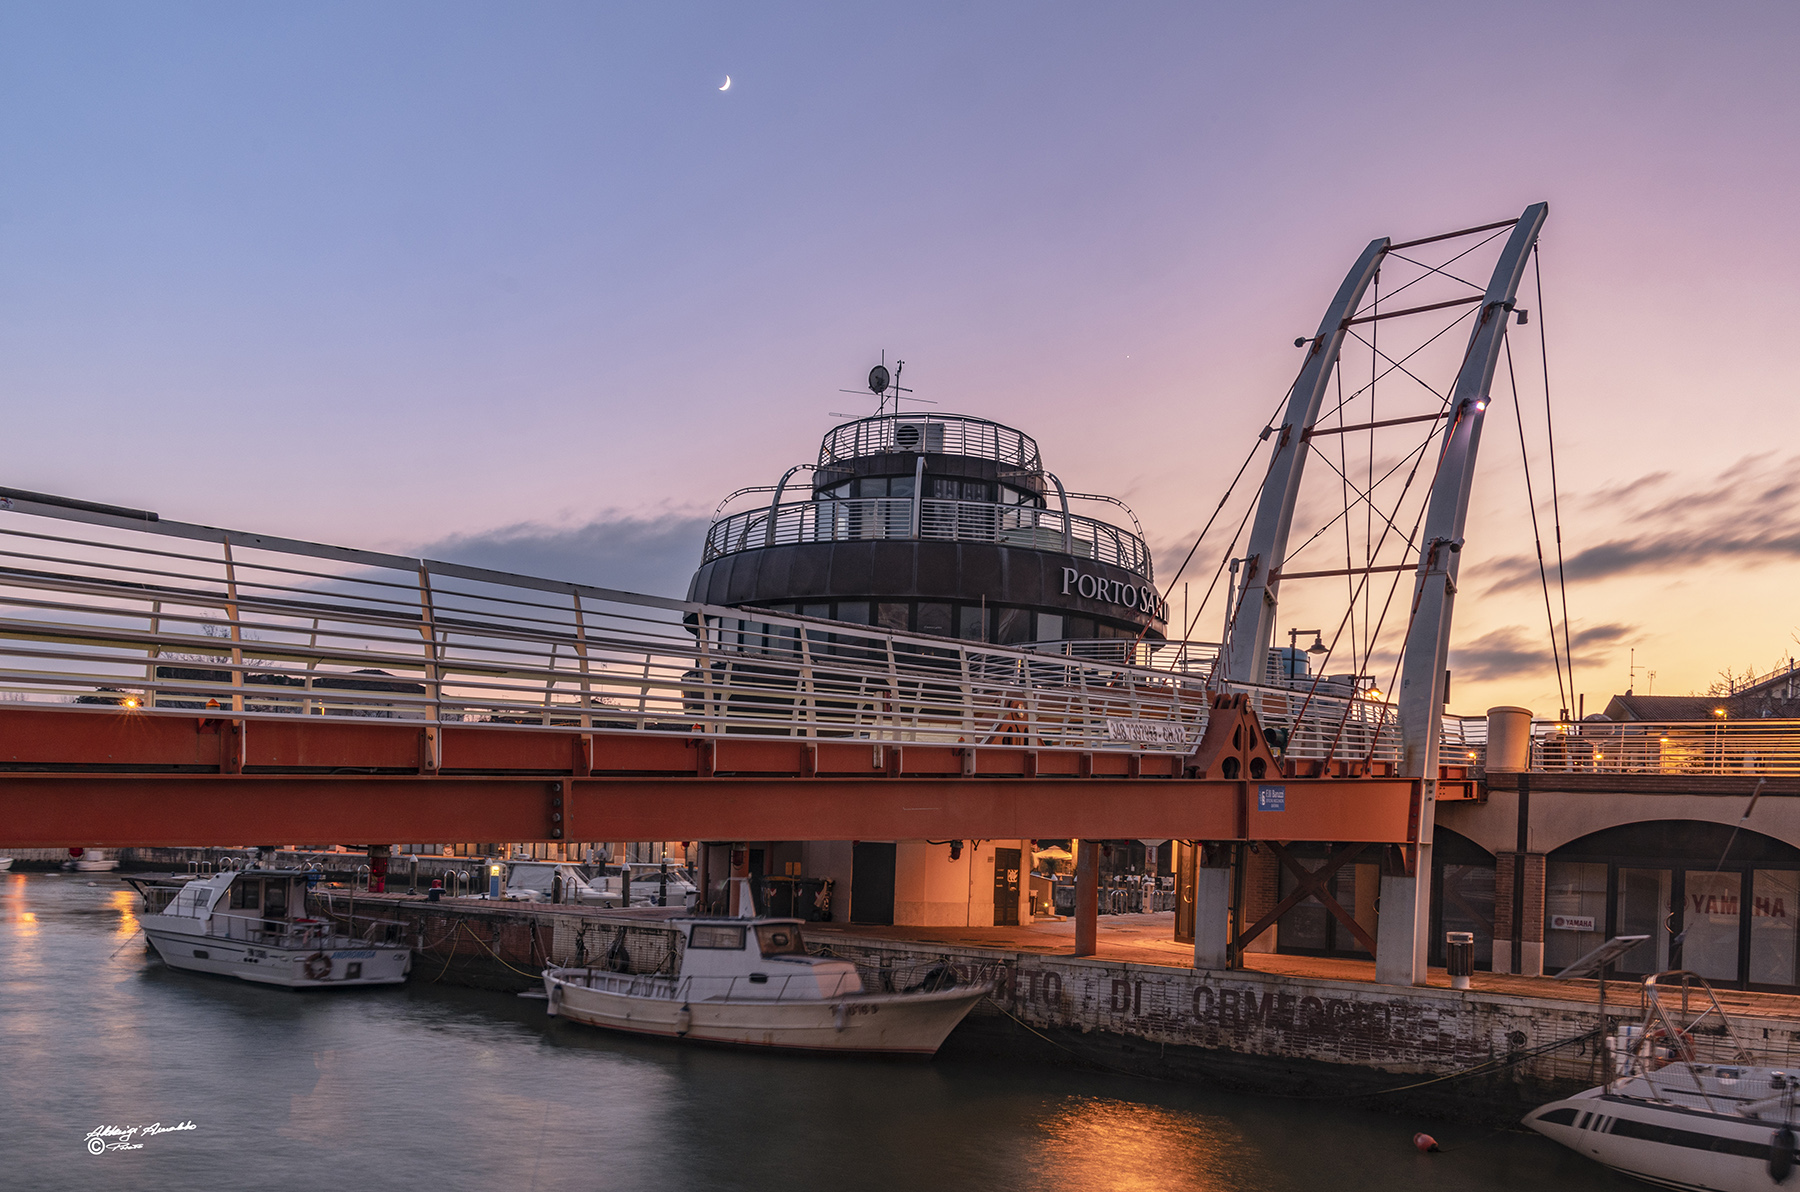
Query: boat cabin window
x,y
709,935
275,900
779,939
246,895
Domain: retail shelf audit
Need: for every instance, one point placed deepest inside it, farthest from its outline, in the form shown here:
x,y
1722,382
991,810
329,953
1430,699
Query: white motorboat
x,y
5,864
750,981
92,860
252,924
1671,1120
553,881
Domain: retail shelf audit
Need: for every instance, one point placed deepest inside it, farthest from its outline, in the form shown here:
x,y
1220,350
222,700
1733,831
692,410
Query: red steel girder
x,y
140,810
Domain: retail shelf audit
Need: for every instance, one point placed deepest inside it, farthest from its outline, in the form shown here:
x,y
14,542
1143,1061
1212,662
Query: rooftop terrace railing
x,y
938,520
1721,747
936,434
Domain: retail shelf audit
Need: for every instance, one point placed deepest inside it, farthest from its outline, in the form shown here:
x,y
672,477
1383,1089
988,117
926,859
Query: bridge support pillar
x,y
1212,916
1403,931
1087,897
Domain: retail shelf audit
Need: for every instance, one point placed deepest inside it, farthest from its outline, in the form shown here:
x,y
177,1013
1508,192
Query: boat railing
x,y
1679,1007
291,934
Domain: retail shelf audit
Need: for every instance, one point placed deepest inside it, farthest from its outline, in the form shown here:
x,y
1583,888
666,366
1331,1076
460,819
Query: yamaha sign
x,y
1141,597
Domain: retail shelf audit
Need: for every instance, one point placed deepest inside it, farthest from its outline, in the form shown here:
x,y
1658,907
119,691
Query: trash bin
x,y
1459,957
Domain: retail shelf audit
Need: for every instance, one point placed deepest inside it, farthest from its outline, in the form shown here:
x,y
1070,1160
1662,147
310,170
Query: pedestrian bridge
x,y
164,683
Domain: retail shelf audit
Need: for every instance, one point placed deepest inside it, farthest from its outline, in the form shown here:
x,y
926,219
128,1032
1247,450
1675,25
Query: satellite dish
x,y
879,378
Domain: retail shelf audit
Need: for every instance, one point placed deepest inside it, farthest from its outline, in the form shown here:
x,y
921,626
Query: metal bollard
x,y
1459,957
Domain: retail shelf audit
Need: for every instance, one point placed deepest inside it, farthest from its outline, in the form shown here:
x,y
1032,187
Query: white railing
x,y
864,519
111,610
936,434
1722,747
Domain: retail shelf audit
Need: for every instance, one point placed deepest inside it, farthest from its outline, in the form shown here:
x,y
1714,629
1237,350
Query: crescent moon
x,y
727,85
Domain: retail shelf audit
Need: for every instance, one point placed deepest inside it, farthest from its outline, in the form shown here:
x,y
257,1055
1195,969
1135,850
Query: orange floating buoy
x,y
1425,1143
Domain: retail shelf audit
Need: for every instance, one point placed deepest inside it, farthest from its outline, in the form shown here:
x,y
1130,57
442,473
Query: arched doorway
x,y
1724,905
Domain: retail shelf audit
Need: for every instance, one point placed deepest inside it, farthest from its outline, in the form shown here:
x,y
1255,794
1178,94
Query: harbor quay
x,y
1308,1028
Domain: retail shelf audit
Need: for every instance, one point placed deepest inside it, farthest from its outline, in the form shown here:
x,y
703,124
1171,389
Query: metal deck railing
x,y
112,609
862,519
936,434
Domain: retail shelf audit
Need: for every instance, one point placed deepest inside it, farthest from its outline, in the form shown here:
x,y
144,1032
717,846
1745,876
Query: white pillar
x,y
1212,917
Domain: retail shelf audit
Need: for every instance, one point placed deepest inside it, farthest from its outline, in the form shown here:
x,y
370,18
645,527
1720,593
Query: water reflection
x,y
1125,1145
461,1088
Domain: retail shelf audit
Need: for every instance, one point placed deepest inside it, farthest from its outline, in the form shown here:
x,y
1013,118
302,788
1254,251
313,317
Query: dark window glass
x,y
974,490
1080,627
1013,627
900,486
872,486
854,611
821,611
969,623
945,488
934,619
895,617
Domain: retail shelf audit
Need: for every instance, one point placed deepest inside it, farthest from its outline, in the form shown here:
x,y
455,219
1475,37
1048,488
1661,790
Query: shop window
x,y
1574,911
856,612
1709,926
971,623
900,486
1774,903
894,617
821,611
934,619
1049,627
1080,628
872,486
1642,907
945,488
1013,626
1467,893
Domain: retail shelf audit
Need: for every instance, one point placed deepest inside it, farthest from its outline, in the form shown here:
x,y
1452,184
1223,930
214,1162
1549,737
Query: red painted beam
x,y
53,811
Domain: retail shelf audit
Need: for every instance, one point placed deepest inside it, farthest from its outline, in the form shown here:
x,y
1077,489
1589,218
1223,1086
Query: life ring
x,y
317,967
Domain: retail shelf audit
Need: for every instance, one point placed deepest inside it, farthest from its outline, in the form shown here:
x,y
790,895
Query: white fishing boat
x,y
252,924
5,864
1671,1120
751,982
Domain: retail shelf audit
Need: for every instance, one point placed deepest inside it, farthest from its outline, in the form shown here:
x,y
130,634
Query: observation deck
x,y
944,524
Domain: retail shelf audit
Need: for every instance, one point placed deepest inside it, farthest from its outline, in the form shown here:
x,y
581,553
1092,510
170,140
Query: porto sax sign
x,y
1141,597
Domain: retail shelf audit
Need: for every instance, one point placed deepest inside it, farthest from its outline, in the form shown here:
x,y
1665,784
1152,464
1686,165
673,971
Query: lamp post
x,y
1294,635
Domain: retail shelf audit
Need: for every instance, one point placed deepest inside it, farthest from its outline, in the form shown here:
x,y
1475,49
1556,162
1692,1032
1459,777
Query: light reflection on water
x,y
450,1088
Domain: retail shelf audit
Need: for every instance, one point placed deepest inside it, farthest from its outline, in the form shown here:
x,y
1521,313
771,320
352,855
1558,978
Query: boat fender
x,y
317,967
1781,1155
1425,1143
684,1019
555,1006
840,1015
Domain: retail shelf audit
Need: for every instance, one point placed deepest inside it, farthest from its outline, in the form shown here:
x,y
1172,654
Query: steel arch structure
x,y
1403,941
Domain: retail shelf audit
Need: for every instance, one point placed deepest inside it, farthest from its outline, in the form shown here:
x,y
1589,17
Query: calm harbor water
x,y
438,1088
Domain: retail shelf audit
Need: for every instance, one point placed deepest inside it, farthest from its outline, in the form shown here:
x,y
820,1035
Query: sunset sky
x,y
519,285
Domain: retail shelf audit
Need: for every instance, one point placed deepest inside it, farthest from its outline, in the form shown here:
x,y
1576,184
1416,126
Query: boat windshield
x,y
780,939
